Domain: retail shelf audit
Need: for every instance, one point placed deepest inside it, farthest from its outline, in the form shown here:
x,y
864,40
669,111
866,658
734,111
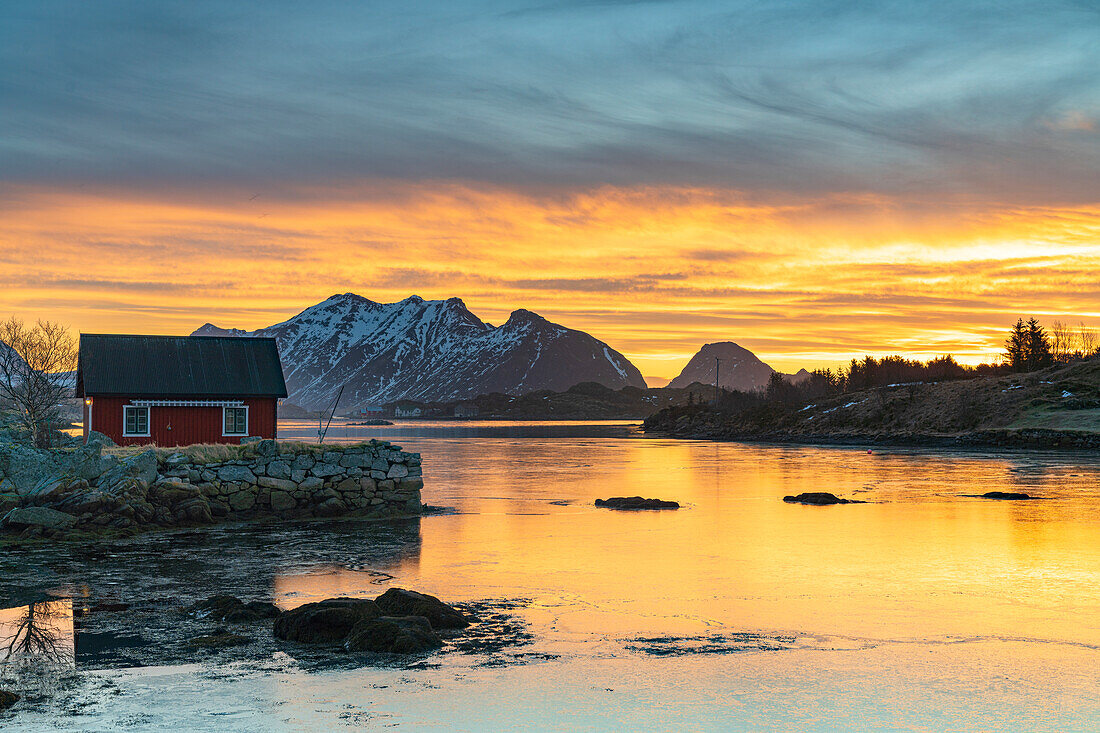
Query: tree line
x,y
1029,347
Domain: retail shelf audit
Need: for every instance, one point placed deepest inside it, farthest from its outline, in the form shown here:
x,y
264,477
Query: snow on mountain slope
x,y
429,350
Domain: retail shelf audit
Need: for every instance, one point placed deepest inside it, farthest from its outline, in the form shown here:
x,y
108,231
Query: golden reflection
x,y
919,559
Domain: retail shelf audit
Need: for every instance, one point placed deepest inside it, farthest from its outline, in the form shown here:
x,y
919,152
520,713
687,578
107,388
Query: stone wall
x,y
90,489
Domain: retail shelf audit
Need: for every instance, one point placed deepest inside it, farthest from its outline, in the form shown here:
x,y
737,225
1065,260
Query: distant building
x,y
466,409
408,411
179,390
369,411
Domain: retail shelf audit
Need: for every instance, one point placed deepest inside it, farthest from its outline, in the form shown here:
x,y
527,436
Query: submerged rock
x,y
7,699
233,610
325,622
819,498
401,602
393,635
636,502
1006,495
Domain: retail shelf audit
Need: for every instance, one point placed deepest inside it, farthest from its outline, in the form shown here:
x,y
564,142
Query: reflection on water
x,y
942,592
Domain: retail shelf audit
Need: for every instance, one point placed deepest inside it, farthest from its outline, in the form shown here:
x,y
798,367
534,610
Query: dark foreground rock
x,y
37,516
393,635
1005,495
325,622
819,498
7,699
232,610
401,602
636,502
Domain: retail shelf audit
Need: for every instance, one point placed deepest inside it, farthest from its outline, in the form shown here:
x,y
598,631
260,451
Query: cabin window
x,y
135,421
236,421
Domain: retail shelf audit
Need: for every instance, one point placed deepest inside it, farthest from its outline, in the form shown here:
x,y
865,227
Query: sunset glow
x,y
654,271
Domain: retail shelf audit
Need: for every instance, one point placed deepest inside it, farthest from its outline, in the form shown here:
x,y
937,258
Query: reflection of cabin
x,y
179,390
407,411
466,409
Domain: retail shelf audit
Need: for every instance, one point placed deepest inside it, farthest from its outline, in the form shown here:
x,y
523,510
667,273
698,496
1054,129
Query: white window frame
x,y
148,421
246,421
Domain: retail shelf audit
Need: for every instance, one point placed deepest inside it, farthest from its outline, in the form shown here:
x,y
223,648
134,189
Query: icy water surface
x,y
921,610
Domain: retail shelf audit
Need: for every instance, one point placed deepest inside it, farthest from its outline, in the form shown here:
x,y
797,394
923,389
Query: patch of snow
x,y
1066,394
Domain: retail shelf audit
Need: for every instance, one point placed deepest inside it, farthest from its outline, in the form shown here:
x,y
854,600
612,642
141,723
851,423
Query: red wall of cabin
x,y
189,425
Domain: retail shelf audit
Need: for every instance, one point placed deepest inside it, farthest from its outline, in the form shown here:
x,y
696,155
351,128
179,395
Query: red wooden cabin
x,y
179,390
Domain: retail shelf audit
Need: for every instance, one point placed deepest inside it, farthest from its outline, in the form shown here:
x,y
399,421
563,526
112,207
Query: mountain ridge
x,y
429,350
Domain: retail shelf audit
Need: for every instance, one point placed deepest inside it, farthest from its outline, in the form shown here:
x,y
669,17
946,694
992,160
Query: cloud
x,y
940,99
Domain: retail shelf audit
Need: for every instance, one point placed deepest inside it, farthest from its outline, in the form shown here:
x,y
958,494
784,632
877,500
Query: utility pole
x,y
717,363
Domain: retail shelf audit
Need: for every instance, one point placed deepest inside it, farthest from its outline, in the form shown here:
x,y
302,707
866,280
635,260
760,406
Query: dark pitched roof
x,y
179,365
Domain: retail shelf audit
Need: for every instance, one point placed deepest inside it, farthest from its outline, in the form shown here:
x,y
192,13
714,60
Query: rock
x,y
37,516
330,508
276,483
393,635
279,469
401,602
819,498
324,470
143,466
1006,495
311,483
281,501
324,622
195,510
267,448
233,610
53,489
97,438
397,470
636,502
7,699
236,473
242,501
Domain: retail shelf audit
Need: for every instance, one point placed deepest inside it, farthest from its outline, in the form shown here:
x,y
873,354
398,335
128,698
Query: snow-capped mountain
x,y
429,350
738,368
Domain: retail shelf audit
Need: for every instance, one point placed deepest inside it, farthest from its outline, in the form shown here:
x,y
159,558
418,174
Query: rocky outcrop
x,y
325,622
232,610
92,491
397,622
7,699
636,502
401,602
393,635
819,498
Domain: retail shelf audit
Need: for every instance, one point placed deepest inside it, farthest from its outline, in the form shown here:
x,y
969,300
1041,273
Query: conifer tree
x,y
1039,354
1016,347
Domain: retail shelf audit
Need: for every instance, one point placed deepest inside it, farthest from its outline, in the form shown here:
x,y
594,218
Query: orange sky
x,y
654,271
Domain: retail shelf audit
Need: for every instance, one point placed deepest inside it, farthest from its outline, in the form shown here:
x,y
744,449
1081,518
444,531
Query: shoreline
x,y
1038,439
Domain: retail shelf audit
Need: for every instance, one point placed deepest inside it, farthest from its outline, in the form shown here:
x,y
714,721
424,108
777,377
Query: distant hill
x,y
429,350
738,369
1059,406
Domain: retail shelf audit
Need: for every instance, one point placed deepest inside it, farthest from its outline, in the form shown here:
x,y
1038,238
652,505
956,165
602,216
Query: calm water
x,y
920,610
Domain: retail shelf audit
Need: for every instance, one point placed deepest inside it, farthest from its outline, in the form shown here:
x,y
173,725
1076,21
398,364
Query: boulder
x,y
242,501
330,508
819,498
401,602
281,501
7,699
636,502
97,438
196,510
278,469
324,470
324,622
232,610
276,483
397,470
236,473
393,635
37,516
